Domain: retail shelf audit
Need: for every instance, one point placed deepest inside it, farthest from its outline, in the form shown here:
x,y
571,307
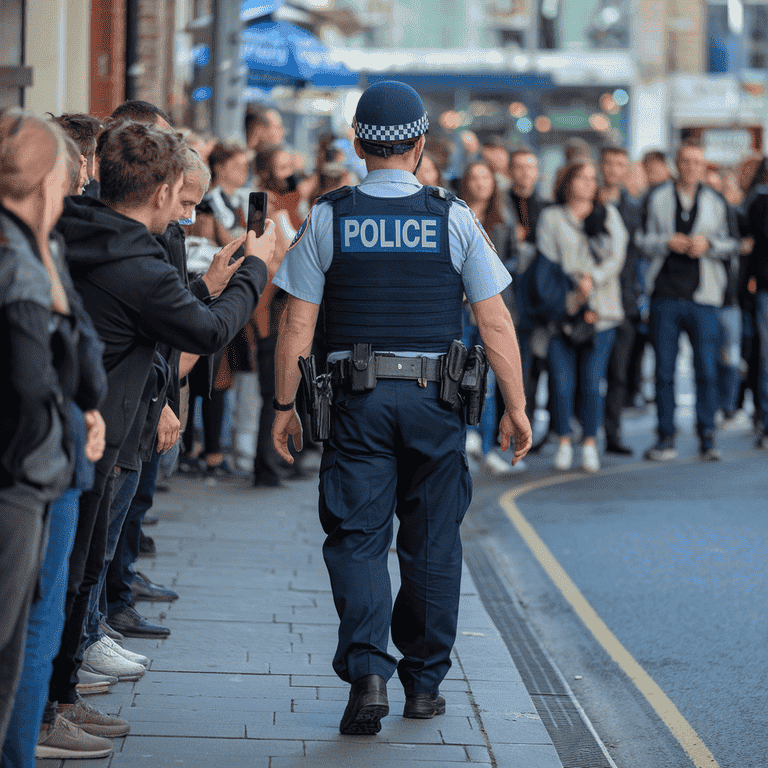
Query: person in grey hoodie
x,y
687,243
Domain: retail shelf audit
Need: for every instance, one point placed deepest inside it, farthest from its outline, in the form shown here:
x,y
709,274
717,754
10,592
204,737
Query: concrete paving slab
x,y
528,755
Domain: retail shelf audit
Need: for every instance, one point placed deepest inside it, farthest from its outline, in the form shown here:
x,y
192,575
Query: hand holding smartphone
x,y
257,212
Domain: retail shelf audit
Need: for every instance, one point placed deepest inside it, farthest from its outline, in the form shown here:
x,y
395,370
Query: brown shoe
x,y
92,721
62,740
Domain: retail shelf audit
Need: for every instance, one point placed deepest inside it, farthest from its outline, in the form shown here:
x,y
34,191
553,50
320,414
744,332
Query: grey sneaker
x,y
63,740
664,450
91,682
92,721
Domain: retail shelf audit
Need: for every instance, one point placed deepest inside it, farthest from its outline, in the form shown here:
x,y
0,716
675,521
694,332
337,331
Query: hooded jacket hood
x,y
96,234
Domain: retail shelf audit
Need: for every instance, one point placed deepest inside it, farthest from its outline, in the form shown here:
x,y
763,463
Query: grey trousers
x,y
21,545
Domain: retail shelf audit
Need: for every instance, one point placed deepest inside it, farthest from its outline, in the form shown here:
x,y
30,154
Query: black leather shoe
x,y
618,449
423,706
143,589
367,705
263,479
129,623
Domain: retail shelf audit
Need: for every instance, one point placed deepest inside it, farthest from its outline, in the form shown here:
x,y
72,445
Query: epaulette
x,y
443,194
334,195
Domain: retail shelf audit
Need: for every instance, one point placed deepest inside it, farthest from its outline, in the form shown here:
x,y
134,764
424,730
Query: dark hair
x,y
140,112
135,159
496,141
264,168
256,115
605,151
223,151
654,156
82,129
493,214
565,177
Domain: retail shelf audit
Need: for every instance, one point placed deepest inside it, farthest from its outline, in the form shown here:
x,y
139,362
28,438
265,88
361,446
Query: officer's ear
x,y
358,149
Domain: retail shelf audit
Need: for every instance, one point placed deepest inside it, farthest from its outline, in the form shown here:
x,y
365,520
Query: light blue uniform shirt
x,y
302,272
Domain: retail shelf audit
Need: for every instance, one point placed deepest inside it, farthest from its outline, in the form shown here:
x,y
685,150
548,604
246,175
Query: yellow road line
x,y
666,710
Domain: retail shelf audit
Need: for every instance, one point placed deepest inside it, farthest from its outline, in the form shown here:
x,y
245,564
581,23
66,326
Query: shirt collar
x,y
390,175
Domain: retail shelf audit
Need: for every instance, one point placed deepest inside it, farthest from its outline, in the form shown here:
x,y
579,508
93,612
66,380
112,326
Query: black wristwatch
x,y
281,406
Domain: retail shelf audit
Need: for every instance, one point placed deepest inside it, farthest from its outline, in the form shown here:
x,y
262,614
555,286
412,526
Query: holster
x,y
319,396
362,368
452,370
473,384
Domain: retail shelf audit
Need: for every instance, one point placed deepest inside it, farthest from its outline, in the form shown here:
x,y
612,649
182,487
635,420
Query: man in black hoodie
x,y
136,299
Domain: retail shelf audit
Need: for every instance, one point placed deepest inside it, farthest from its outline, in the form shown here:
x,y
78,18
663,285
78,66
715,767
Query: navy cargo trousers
x,y
396,450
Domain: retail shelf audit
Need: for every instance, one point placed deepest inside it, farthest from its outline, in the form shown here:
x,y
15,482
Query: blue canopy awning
x,y
279,53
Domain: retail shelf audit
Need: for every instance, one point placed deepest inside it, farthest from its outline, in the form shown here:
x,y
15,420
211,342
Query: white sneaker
x,y
100,658
474,445
564,457
136,658
497,465
590,462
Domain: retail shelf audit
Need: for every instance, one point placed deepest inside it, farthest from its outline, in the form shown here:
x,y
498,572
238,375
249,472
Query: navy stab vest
x,y
391,283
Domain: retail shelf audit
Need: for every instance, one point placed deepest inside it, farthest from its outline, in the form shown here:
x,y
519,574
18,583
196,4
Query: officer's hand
x,y
217,277
287,423
263,247
167,430
516,425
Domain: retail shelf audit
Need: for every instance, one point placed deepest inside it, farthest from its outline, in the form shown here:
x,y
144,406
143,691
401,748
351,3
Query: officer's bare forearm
x,y
500,342
297,329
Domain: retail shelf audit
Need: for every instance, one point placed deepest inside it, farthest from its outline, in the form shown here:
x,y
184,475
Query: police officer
x,y
391,260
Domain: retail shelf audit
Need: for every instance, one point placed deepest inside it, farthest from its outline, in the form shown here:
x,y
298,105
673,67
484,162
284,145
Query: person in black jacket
x,y
43,400
136,299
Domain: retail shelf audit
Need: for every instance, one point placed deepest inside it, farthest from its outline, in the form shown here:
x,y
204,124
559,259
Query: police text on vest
x,y
390,233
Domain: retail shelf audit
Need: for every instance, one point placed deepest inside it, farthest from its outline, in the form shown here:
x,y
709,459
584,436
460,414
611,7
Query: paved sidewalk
x,y
245,679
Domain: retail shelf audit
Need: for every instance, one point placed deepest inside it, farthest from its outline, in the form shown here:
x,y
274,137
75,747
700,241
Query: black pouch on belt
x,y
473,385
452,370
362,367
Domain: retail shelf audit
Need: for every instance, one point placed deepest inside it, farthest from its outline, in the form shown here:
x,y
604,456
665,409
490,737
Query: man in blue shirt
x,y
390,261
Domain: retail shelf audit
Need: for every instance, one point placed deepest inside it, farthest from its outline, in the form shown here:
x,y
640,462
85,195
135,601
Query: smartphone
x,y
257,212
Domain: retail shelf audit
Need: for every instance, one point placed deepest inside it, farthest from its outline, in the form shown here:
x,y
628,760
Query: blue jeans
x,y
563,359
762,332
701,323
125,488
120,573
46,621
728,377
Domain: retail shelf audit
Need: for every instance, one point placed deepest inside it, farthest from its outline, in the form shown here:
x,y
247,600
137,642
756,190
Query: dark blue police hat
x,y
390,111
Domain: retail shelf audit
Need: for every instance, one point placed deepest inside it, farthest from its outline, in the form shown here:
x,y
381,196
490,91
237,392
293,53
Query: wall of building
x,y
57,48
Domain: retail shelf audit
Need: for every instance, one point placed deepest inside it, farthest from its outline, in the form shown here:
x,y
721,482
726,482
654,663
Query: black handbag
x,y
577,331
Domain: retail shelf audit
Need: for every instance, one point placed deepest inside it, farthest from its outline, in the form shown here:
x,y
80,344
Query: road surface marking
x,y
666,710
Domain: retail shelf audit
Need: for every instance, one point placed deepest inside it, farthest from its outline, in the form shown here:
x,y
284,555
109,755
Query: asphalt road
x,y
672,558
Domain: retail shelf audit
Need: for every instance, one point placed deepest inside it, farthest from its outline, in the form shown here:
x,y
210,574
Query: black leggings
x,y
213,412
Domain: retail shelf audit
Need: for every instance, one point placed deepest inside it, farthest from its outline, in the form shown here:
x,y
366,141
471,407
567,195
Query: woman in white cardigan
x,y
589,242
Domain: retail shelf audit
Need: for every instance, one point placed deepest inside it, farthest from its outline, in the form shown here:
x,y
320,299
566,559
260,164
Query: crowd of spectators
x,y
140,325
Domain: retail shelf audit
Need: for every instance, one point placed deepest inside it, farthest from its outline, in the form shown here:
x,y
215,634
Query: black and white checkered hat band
x,y
392,132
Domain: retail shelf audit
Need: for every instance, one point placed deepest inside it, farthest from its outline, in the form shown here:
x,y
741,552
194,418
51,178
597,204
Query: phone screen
x,y
257,212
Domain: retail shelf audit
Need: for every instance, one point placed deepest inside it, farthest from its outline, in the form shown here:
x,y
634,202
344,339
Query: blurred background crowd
x,y
612,151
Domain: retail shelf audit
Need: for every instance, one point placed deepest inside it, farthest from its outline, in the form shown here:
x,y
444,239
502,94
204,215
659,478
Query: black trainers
x,y
664,450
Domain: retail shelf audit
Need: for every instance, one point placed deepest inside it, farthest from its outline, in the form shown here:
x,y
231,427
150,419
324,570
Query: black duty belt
x,y
421,369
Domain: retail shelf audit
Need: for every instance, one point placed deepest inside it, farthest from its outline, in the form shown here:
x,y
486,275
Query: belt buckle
x,y
423,377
